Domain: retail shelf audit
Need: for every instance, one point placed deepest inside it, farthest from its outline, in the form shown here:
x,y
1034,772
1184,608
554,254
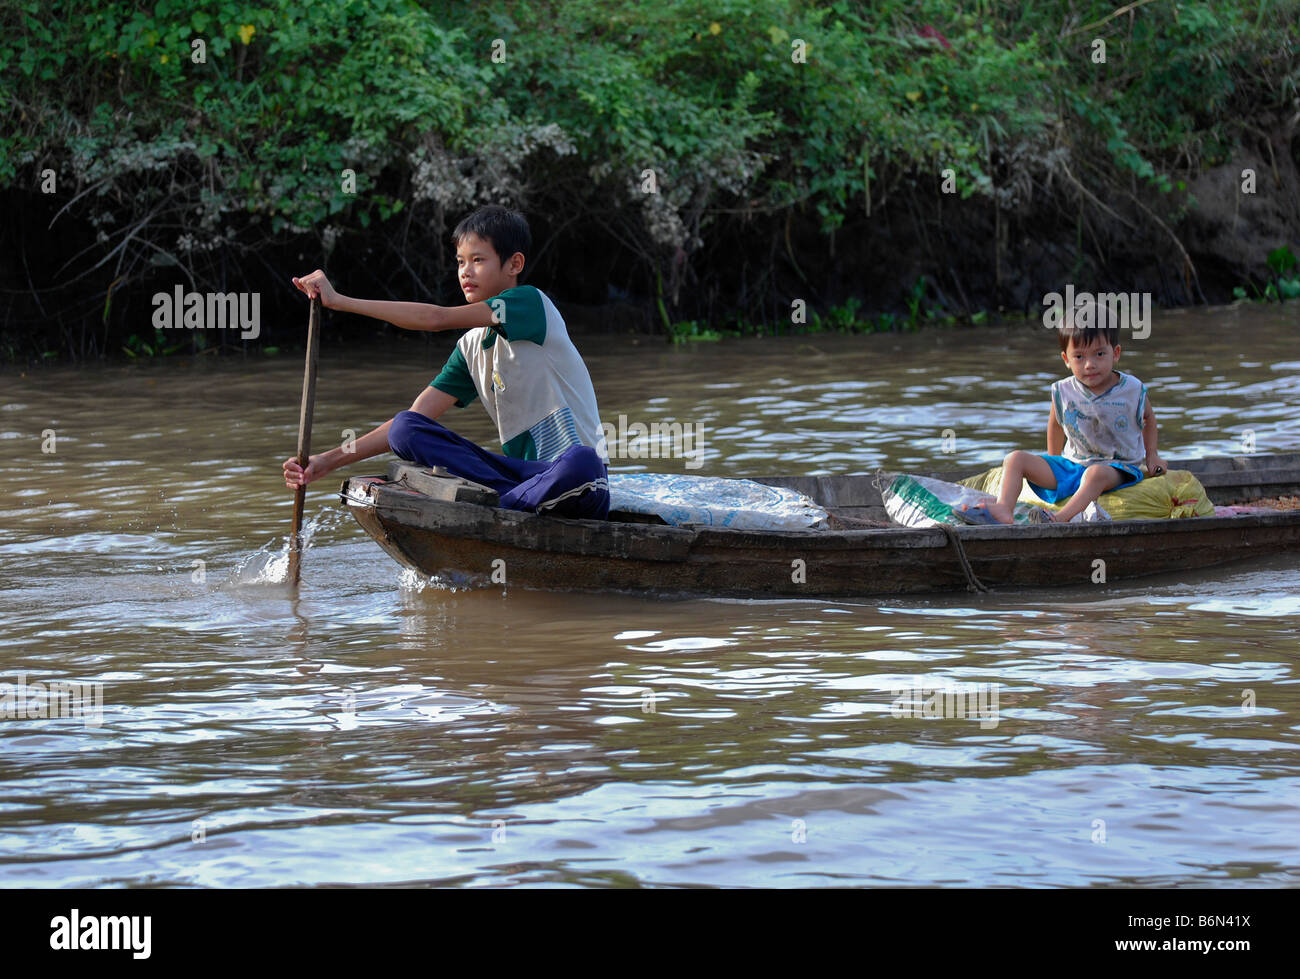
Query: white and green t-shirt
x,y
534,385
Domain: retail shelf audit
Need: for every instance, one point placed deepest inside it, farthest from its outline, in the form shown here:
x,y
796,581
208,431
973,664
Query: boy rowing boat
x,y
516,358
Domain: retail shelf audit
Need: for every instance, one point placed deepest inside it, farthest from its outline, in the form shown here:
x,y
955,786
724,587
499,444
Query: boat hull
x,y
475,545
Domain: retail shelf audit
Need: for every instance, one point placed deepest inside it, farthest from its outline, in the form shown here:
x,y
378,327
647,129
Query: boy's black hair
x,y
1086,324
505,230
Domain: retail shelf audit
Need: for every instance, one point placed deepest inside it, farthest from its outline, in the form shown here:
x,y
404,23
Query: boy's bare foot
x,y
1003,511
1000,512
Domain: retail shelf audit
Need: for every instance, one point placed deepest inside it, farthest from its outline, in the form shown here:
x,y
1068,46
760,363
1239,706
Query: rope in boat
x,y
881,480
972,582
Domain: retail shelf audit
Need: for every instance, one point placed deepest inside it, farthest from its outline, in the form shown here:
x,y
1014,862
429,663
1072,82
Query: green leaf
x,y
1281,260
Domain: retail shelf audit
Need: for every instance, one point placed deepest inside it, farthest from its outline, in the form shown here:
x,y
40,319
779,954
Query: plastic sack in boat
x,y
1175,494
921,501
712,501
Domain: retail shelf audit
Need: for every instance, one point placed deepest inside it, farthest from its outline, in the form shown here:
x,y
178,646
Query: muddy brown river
x,y
372,728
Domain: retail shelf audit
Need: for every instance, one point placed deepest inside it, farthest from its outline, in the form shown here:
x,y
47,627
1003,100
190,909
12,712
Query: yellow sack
x,y
1175,494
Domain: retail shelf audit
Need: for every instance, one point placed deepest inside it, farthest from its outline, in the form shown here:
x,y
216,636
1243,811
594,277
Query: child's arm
x,y
1055,434
431,403
1155,465
409,316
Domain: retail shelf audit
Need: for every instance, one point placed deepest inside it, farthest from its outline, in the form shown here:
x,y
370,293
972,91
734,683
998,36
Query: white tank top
x,y
1106,426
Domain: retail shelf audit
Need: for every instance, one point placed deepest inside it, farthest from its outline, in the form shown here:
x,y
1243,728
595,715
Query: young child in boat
x,y
1099,429
516,357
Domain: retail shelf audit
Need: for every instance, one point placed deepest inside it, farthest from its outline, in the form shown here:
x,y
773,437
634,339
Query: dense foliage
x,y
707,164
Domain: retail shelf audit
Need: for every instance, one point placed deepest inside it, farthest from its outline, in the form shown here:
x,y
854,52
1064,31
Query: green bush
x,y
203,170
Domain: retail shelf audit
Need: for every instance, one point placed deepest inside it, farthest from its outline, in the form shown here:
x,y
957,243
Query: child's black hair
x,y
505,230
1086,324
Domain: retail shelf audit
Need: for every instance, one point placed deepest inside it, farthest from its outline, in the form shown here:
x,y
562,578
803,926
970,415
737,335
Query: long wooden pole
x,y
304,437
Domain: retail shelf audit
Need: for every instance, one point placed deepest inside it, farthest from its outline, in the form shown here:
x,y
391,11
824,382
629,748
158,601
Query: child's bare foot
x,y
1003,511
986,513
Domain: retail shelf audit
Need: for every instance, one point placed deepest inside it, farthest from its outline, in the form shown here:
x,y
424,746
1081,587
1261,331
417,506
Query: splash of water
x,y
269,564
414,582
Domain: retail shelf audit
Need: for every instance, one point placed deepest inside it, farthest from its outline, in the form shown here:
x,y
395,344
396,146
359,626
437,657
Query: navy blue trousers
x,y
574,485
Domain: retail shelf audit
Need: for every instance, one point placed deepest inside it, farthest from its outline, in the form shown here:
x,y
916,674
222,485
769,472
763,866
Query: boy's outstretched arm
x,y
1055,434
1155,465
431,402
409,316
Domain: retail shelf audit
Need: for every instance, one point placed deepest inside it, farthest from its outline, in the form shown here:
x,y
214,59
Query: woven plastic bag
x,y
920,501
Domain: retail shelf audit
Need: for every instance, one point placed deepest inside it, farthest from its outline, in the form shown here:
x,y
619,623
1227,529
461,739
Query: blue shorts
x,y
1069,474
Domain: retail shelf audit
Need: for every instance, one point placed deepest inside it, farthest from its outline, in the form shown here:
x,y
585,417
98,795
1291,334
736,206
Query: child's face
x,y
1092,365
480,271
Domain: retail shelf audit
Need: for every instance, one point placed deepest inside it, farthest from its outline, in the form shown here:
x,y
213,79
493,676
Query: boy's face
x,y
1092,365
480,271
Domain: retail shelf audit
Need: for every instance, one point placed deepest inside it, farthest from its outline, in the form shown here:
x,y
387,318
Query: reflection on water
x,y
369,728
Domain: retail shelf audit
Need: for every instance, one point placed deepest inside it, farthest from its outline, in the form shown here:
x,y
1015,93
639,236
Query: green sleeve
x,y
520,447
455,379
521,314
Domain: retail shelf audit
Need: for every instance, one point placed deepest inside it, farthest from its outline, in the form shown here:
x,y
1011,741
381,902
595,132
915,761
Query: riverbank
x,y
718,170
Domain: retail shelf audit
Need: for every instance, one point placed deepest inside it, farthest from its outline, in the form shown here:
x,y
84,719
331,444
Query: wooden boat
x,y
445,528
